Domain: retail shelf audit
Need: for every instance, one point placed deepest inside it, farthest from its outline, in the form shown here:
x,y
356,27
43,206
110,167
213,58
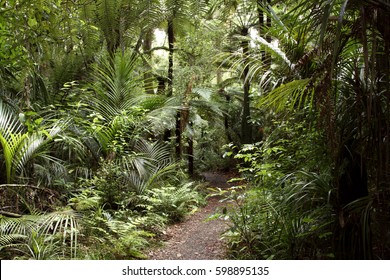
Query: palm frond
x,y
7,240
64,223
156,151
288,96
11,135
151,162
34,145
163,118
137,163
151,14
9,122
116,85
20,226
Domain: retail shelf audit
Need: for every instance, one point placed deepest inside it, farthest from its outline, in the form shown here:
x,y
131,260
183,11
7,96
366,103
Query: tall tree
x,y
242,17
179,15
246,127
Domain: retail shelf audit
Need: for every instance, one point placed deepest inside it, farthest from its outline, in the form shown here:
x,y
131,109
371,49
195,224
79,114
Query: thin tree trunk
x,y
27,92
183,117
178,135
146,47
191,153
171,45
268,60
264,22
226,116
260,14
246,127
161,87
113,44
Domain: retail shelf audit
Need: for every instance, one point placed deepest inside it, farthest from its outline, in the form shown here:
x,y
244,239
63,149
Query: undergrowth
x,y
285,208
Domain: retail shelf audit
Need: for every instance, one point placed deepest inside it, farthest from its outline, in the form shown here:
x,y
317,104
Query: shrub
x,y
174,202
287,209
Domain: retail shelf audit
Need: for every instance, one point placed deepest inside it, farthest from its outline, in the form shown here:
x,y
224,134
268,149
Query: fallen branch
x,y
10,215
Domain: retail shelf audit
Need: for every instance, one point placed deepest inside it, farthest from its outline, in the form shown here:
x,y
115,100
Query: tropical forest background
x,y
110,110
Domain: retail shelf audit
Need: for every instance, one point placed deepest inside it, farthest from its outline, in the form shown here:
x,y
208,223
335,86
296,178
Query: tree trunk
x,y
268,38
113,43
246,127
161,87
226,116
260,14
182,118
146,47
191,153
264,22
354,236
171,44
353,182
178,135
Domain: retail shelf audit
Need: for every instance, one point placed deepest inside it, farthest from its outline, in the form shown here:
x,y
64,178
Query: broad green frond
x,y
9,239
162,118
151,162
24,232
19,147
288,96
156,151
21,226
64,223
116,85
9,123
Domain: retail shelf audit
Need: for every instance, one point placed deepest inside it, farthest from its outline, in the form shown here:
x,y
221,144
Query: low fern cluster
x,y
92,229
125,232
174,202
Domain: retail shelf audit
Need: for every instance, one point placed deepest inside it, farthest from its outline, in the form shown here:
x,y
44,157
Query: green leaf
x,y
32,22
38,121
289,95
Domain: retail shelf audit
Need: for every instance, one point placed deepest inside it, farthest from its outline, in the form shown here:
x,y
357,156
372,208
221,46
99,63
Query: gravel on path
x,y
197,238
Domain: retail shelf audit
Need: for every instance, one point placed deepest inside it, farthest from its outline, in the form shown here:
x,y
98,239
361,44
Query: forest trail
x,y
196,238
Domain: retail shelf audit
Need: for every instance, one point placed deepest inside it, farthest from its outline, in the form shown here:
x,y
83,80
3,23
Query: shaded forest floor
x,y
197,238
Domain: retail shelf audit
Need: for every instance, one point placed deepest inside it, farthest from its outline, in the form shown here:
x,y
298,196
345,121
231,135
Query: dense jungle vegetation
x,y
111,109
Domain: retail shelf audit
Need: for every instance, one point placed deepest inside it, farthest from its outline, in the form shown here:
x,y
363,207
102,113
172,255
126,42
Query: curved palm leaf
x,y
152,163
11,136
162,116
21,226
16,232
290,95
19,147
116,84
7,239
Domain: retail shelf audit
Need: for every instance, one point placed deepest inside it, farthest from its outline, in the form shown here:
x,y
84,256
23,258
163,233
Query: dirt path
x,y
196,238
